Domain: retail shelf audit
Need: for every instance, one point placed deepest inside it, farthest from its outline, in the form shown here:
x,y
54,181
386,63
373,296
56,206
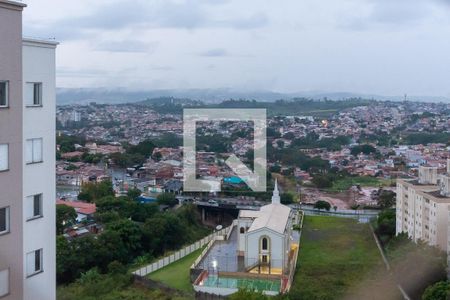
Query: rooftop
x,y
272,216
80,207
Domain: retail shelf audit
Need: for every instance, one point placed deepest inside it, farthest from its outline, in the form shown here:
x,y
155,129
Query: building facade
x,y
422,207
27,161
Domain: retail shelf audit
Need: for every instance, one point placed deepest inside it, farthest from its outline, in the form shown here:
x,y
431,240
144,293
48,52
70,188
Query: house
x,y
173,186
85,211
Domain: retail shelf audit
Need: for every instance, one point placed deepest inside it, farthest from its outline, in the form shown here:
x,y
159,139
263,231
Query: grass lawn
x,y
176,275
365,181
338,258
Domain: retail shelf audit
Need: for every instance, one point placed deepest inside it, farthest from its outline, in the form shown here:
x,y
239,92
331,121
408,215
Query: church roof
x,y
249,213
272,216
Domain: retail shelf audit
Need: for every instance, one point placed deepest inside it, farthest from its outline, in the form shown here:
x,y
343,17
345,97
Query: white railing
x,y
167,260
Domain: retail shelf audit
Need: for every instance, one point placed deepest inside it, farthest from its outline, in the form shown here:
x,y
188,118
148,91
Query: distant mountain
x,y
116,96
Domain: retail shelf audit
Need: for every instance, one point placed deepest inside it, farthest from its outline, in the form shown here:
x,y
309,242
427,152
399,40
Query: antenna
x,y
406,97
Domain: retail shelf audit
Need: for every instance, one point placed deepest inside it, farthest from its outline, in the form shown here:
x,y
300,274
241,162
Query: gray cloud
x,y
133,46
79,72
253,44
140,14
392,14
217,52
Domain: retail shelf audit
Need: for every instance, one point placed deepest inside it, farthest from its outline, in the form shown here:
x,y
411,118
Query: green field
x,y
364,181
338,258
176,275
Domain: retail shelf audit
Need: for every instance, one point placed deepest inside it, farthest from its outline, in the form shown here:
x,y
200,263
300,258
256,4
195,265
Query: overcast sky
x,y
387,47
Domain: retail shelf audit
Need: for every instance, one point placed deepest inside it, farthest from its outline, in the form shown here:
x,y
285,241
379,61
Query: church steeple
x,y
276,194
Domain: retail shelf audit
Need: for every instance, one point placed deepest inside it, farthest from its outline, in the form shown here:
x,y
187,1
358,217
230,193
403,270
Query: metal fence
x,y
167,260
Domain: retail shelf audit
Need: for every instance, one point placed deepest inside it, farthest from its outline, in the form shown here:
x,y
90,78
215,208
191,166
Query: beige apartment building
x,y
422,208
27,161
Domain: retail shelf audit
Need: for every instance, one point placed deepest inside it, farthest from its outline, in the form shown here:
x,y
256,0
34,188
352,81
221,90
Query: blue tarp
x,y
233,180
143,199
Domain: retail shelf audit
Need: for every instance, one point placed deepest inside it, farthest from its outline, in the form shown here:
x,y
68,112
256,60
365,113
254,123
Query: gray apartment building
x,y
27,160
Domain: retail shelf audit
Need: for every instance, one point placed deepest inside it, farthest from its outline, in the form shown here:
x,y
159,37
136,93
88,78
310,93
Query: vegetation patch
x,y
336,255
343,184
177,274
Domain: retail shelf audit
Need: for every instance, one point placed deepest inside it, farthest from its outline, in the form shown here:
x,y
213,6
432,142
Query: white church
x,y
265,237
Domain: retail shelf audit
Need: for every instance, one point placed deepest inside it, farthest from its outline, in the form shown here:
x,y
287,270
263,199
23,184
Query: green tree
x,y
134,193
322,181
438,291
144,148
386,199
130,234
275,169
365,149
287,198
321,204
167,199
93,191
65,216
386,223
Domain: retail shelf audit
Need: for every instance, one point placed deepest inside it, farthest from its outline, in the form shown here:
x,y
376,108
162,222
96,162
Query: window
x,y
34,207
4,94
4,220
264,244
242,230
33,94
34,262
4,165
34,151
4,282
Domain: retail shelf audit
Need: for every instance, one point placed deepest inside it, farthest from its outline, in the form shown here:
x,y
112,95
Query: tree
x,y
130,235
65,216
144,148
437,291
134,193
275,169
386,222
321,204
287,198
93,191
167,199
322,181
365,149
386,199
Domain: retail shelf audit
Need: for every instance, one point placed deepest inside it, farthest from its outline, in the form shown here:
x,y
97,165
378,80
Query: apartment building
x,y
27,161
422,208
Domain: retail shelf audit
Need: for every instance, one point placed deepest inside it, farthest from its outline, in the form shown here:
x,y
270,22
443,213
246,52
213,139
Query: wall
x,y
39,122
276,248
161,263
11,133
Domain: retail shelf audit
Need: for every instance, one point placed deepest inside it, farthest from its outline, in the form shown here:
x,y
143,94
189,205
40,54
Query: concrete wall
x,y
11,133
39,122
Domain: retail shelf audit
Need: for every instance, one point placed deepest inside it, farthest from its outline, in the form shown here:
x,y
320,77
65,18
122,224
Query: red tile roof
x,y
80,207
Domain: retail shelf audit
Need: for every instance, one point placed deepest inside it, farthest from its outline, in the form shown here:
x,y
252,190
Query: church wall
x,y
277,247
246,223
